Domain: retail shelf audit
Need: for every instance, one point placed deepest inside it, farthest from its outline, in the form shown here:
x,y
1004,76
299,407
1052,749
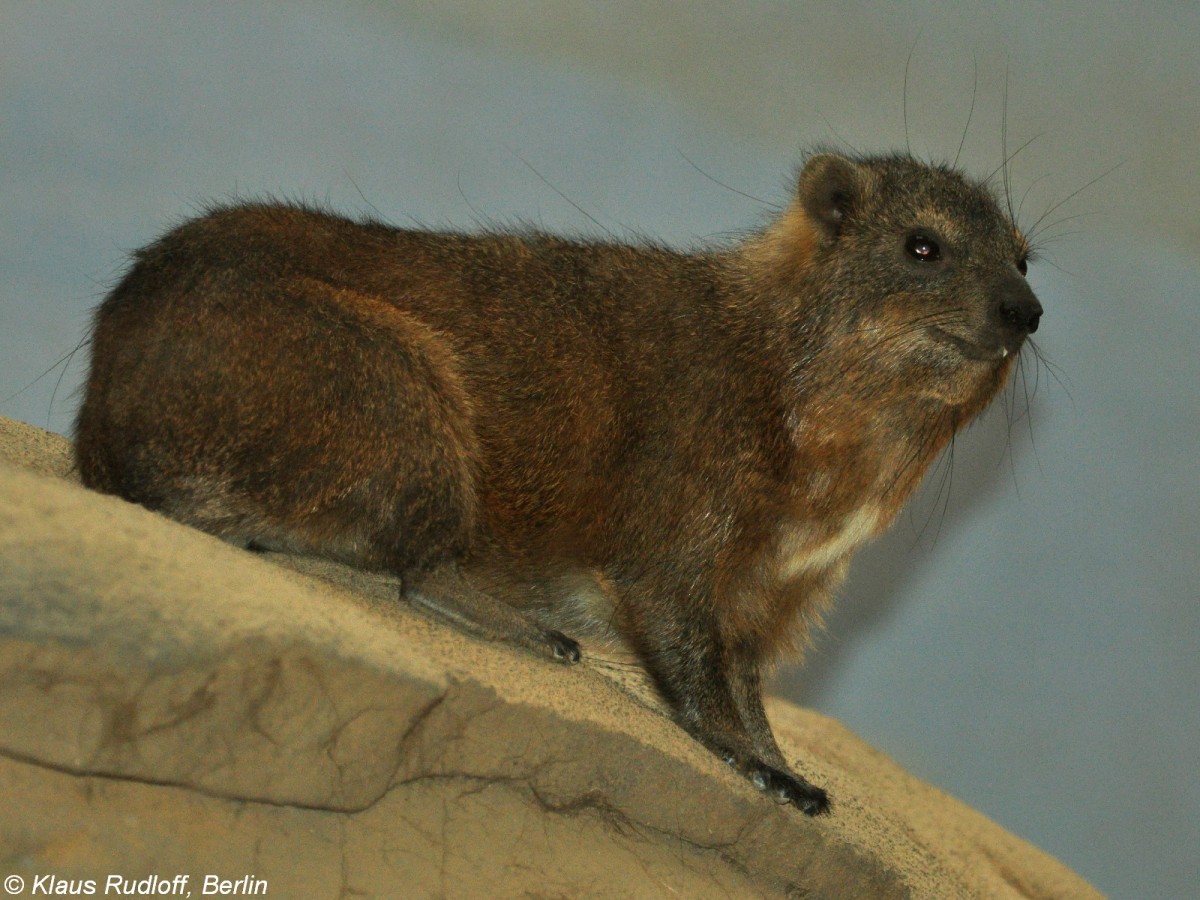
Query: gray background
x,y
1026,637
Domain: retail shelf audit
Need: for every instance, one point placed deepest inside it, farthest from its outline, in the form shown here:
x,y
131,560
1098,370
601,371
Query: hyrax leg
x,y
448,593
287,414
776,779
290,415
715,690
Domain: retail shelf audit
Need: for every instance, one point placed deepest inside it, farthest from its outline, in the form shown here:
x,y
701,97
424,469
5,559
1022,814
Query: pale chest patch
x,y
804,548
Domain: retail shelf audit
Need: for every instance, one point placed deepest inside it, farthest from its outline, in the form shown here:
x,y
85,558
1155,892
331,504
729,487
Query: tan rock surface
x,y
173,705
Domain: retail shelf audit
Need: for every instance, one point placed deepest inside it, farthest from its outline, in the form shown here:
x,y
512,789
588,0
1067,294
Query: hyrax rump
x,y
541,435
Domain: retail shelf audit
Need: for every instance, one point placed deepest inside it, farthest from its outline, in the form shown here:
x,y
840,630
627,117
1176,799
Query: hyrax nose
x,y
1017,307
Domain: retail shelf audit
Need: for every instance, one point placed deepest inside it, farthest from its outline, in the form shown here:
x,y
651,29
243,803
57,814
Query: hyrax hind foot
x,y
563,647
448,594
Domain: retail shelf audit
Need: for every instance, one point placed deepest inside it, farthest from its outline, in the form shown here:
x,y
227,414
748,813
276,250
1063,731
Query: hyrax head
x,y
923,264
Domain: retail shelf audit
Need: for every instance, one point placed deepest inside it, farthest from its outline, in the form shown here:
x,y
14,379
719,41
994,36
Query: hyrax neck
x,y
857,457
860,435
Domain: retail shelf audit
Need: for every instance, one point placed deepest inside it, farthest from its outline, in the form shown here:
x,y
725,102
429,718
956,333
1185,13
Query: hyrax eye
x,y
922,248
1023,265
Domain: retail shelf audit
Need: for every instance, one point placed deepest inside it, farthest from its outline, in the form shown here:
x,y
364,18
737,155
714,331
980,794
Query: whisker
x,y
1028,410
904,96
1021,202
1043,258
583,212
606,663
774,207
480,218
937,317
928,434
1004,145
948,480
83,342
373,207
1007,404
1033,235
854,151
1056,372
1075,193
64,361
971,111
1045,241
1012,460
1011,157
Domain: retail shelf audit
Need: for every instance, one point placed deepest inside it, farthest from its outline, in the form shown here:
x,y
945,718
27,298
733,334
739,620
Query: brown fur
x,y
684,447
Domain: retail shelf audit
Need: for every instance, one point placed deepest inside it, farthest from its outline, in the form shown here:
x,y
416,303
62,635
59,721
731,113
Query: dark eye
x,y
1023,265
923,248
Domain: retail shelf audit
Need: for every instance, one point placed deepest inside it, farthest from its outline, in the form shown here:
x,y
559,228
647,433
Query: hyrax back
x,y
539,434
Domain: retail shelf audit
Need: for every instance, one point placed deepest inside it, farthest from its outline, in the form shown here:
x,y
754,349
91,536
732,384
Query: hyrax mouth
x,y
989,351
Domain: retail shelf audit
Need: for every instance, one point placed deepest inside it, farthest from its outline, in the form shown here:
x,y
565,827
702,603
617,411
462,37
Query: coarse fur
x,y
540,435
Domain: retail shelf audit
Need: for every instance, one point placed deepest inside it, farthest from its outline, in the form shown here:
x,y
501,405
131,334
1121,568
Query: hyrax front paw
x,y
788,788
780,785
562,647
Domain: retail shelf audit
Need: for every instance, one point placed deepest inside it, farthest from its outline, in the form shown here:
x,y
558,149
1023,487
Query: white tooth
x,y
1003,352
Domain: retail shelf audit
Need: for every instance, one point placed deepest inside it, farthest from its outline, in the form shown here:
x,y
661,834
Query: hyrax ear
x,y
829,189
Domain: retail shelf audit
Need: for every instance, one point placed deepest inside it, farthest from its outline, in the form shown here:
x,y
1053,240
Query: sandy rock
x,y
171,705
